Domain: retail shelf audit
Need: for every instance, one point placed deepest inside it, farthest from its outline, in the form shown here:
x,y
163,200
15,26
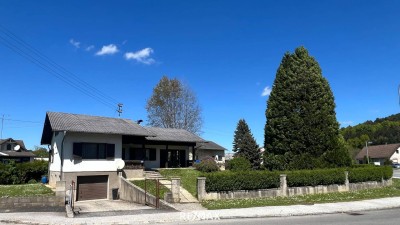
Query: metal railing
x,y
71,195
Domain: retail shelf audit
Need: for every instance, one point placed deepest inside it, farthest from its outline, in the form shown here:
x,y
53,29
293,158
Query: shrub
x,y
21,173
243,180
369,173
301,178
32,181
207,165
239,164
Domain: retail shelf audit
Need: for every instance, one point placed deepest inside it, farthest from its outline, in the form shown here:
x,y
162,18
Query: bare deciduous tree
x,y
174,105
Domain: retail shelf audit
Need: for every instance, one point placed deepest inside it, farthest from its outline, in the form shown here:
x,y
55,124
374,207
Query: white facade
x,y
62,146
396,156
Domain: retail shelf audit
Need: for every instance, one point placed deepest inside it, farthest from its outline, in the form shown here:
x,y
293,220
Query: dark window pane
x,y
77,149
110,150
151,154
101,151
89,150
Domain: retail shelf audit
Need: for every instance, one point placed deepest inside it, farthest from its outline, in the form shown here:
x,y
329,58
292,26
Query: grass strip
x,y
25,190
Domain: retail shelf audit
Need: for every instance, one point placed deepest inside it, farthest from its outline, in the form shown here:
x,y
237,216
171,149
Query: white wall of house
x,y
396,156
76,164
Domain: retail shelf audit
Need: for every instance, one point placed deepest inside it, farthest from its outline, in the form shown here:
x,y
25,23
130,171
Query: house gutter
x,y
62,156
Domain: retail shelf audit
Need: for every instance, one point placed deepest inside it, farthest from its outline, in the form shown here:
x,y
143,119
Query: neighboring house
x,y
11,149
209,149
89,149
378,154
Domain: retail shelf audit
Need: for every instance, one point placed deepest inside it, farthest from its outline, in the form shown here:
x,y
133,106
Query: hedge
x,y
369,173
253,180
300,178
22,173
245,180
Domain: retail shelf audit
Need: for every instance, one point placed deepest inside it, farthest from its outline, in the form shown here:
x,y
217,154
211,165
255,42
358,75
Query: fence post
x,y
283,185
346,182
176,189
201,188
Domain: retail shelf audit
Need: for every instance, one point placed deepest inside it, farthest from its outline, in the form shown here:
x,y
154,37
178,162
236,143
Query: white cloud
x,y
142,56
110,49
344,123
89,48
267,90
76,44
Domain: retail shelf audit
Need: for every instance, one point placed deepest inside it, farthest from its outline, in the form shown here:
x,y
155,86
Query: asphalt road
x,y
382,217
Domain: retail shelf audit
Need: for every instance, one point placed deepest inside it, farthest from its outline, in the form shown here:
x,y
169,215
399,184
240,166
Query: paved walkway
x,y
196,215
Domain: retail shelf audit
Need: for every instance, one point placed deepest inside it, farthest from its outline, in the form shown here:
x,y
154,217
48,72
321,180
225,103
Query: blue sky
x,y
226,51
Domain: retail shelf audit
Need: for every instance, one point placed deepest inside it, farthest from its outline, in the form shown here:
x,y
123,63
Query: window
x,y
8,146
148,154
397,151
94,150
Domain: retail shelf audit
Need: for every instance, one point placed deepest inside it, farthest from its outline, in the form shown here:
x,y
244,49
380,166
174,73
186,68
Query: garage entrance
x,y
92,187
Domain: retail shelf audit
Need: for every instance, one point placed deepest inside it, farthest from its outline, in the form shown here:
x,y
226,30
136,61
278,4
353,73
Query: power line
x,y
25,50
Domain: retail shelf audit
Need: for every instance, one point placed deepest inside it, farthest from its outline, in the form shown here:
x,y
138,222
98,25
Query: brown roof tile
x,y
378,151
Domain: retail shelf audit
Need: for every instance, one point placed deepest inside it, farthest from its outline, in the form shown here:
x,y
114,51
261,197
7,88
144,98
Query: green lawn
x,y
151,187
24,190
188,178
385,192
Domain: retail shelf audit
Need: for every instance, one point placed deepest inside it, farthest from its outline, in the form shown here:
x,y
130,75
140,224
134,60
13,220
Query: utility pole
x,y
119,110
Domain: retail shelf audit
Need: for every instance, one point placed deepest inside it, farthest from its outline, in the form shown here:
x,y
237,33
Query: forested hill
x,y
381,131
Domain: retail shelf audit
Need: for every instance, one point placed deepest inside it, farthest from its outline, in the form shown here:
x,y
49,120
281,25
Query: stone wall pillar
x,y
346,182
176,189
60,189
201,188
283,185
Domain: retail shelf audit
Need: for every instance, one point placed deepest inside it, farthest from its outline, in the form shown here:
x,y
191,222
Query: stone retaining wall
x,y
284,190
39,201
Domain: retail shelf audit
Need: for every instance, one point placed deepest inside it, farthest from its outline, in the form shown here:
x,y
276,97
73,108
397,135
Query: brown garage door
x,y
92,187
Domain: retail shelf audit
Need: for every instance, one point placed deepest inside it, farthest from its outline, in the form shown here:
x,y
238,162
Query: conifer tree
x,y
244,144
301,120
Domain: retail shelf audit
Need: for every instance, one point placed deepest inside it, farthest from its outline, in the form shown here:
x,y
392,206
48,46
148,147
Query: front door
x,y
172,158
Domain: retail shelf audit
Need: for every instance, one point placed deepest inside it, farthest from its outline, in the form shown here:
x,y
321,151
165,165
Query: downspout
x,y
62,156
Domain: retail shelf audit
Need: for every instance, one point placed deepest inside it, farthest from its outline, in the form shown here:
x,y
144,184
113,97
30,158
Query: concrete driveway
x,y
100,208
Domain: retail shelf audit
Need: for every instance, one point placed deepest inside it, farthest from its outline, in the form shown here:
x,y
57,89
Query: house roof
x,y
209,145
173,135
16,154
57,121
378,151
10,140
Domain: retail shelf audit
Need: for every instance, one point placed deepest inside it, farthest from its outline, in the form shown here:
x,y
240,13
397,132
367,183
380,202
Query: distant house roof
x,y
10,140
172,135
57,121
378,151
17,154
209,145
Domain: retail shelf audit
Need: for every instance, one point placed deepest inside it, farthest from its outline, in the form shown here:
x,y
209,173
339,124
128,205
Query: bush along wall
x,y
300,178
244,180
22,173
254,180
369,173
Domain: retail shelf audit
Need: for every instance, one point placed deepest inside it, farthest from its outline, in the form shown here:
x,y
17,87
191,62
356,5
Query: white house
x,y
378,154
87,150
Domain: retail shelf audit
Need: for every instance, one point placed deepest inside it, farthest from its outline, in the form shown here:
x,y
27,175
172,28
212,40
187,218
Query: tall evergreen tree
x,y
301,118
244,144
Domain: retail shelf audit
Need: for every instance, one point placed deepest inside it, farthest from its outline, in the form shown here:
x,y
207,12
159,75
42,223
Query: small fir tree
x,y
244,144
